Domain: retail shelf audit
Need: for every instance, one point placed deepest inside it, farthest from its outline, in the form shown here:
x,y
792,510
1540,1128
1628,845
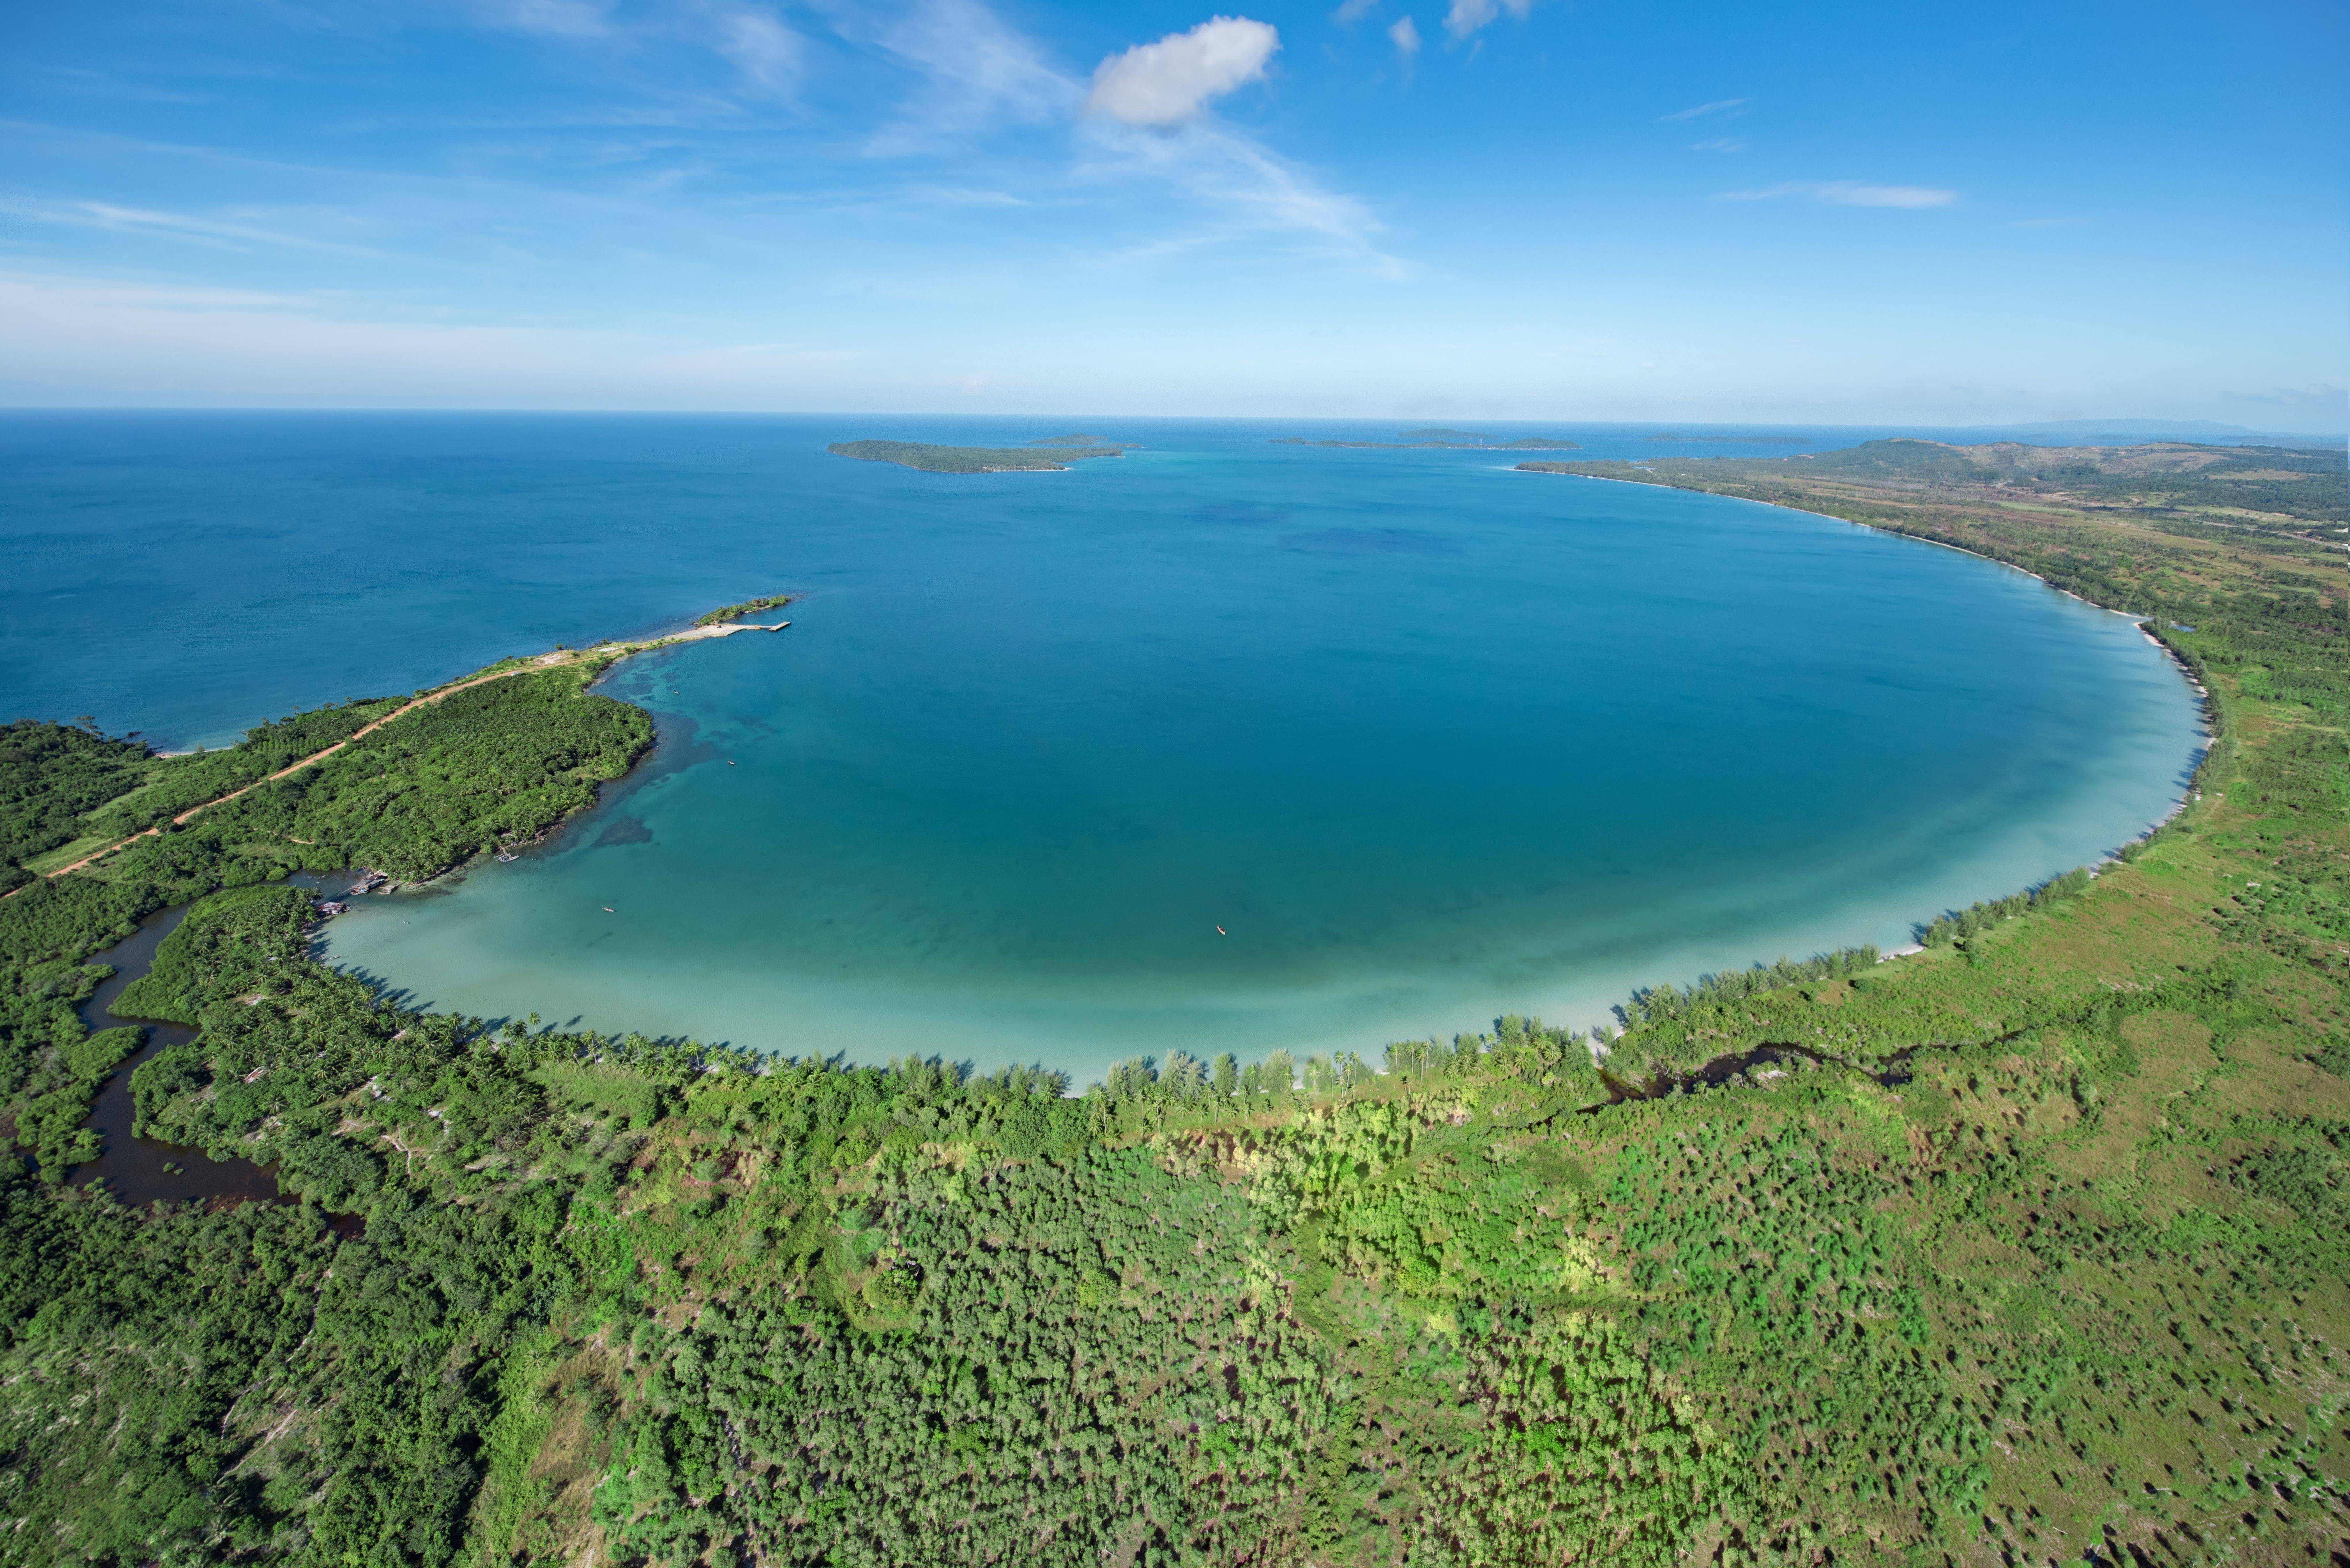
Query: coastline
x,y
1574,994
612,651
606,653
1592,1007
2206,707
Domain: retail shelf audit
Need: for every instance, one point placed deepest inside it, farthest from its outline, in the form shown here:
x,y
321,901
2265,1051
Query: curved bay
x,y
1429,738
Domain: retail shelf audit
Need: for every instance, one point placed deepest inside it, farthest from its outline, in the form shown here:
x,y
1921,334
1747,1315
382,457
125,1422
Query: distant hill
x,y
967,459
2151,427
2175,429
2153,474
2238,487
1066,440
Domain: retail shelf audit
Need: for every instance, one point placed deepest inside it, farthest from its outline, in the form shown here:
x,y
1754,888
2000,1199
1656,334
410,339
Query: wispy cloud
x,y
225,234
98,340
1243,190
88,335
976,71
548,18
960,196
765,51
99,82
1354,11
770,56
985,128
1170,81
1845,193
1719,144
1719,106
1147,119
1467,16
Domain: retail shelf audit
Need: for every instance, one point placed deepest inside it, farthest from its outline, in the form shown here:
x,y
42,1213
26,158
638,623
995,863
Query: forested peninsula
x,y
2030,1247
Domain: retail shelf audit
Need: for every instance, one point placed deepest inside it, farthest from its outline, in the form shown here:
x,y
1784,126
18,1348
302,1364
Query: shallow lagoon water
x,y
1431,739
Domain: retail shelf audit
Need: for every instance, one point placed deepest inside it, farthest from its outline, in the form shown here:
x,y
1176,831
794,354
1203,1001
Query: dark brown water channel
x,y
1725,1071
143,1170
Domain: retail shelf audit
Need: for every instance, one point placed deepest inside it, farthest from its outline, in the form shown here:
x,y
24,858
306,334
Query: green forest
x,y
2031,1247
66,790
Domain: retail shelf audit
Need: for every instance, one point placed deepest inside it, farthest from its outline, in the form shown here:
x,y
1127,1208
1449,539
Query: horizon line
x,y
2118,422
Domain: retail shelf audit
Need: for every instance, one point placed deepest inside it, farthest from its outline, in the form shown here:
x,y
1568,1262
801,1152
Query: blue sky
x,y
1438,208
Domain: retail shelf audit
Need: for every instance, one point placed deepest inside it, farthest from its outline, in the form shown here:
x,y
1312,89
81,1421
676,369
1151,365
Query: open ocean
x,y
1431,739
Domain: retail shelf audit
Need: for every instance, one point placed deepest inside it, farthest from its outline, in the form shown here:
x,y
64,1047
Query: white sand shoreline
x,y
2207,712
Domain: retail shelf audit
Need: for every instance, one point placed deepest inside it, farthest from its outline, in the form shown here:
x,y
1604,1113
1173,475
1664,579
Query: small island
x,y
969,459
1079,440
726,613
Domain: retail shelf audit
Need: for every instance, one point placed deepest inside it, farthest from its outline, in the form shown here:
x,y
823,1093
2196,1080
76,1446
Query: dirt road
x,y
543,662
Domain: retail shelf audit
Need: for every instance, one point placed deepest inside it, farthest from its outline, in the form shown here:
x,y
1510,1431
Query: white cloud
x,y
1719,106
762,48
1354,11
1844,193
1168,82
1406,37
1467,16
1146,124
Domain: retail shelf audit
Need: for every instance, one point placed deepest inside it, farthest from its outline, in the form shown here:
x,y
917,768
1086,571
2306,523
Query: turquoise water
x,y
1429,738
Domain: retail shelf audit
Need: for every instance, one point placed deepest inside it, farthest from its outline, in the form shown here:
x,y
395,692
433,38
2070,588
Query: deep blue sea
x,y
1429,738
